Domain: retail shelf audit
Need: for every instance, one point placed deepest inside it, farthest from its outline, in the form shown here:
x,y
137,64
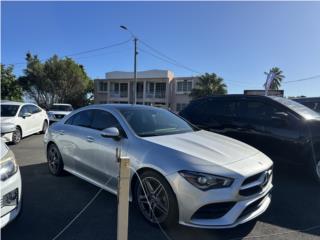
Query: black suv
x,y
313,103
281,128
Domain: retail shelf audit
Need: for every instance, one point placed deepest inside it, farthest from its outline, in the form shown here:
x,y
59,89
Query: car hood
x,y
210,147
59,112
7,119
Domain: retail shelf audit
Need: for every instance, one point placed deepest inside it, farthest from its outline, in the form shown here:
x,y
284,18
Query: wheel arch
x,y
142,170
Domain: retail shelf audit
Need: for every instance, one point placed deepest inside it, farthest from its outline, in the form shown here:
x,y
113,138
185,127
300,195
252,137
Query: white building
x,y
154,87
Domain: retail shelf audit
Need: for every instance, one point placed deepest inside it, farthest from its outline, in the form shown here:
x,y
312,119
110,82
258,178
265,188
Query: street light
x,y
135,40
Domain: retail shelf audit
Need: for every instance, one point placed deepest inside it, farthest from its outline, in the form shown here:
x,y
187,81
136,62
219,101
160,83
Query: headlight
x,y
50,115
205,181
8,168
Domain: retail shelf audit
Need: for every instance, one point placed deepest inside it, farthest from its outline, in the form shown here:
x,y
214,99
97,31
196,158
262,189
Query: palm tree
x,y
208,84
278,77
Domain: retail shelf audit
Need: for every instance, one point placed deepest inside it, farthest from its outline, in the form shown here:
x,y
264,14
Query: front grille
x,y
59,116
256,183
213,211
252,207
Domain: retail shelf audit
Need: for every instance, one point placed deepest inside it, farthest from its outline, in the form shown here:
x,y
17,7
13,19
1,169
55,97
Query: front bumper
x,y
7,137
8,213
242,208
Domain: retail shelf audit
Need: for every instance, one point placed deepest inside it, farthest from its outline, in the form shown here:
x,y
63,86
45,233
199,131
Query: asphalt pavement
x,y
50,203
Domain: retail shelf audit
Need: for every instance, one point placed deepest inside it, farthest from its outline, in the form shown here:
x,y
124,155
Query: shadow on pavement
x,y
51,202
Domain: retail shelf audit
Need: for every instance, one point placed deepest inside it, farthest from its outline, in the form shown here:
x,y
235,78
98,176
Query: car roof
x,y
11,102
122,106
62,104
233,96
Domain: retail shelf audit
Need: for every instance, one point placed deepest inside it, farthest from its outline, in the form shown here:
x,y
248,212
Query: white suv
x,y
28,118
58,111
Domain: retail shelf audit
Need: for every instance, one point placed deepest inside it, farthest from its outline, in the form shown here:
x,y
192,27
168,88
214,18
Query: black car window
x,y
34,109
82,119
9,110
216,108
256,110
103,119
193,112
25,109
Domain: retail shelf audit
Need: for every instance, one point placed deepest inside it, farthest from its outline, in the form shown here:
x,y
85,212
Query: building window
x,y
184,86
123,90
103,86
160,90
150,90
119,90
140,90
180,106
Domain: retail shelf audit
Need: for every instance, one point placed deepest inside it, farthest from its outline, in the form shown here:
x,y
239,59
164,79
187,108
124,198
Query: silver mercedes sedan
x,y
190,176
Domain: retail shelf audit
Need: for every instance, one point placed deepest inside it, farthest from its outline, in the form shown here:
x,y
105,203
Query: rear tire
x,y
160,197
317,171
16,136
54,159
44,127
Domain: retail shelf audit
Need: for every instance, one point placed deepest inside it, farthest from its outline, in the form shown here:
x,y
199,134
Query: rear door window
x,y
82,119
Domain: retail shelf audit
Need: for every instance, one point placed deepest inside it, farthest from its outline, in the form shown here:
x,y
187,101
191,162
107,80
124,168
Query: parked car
x,y
28,118
58,111
281,128
10,186
313,103
195,177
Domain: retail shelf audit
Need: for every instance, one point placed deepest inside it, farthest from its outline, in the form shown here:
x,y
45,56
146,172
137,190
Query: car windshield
x,y
155,122
302,110
9,110
65,108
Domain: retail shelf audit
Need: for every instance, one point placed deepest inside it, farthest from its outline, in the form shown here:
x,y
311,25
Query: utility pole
x,y
135,72
135,40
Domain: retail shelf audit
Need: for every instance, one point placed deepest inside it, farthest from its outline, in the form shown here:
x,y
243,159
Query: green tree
x,y
10,88
56,81
278,77
209,84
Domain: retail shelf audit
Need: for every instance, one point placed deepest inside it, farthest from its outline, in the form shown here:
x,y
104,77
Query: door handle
x,y
90,139
61,132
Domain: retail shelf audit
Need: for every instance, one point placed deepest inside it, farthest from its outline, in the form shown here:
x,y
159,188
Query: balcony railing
x,y
121,94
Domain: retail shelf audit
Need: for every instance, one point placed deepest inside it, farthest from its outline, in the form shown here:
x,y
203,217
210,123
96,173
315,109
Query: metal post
x,y
135,72
123,196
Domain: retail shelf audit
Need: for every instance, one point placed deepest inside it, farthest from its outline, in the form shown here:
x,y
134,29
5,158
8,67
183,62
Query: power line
x,y
171,60
166,60
303,79
82,52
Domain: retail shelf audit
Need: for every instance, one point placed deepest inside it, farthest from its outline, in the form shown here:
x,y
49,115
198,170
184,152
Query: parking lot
x,y
49,203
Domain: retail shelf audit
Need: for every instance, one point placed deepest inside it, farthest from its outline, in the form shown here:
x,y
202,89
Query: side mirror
x,y
27,114
111,132
7,128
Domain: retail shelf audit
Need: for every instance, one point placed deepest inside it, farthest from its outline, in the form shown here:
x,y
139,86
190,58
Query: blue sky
x,y
236,40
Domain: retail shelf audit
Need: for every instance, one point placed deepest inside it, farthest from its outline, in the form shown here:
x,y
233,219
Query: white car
x,y
10,185
28,118
58,111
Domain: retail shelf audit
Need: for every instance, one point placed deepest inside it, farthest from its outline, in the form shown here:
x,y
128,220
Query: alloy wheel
x,y
53,160
16,136
153,201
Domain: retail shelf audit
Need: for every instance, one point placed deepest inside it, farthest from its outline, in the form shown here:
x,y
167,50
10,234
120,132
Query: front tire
x,y
16,136
54,159
156,199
